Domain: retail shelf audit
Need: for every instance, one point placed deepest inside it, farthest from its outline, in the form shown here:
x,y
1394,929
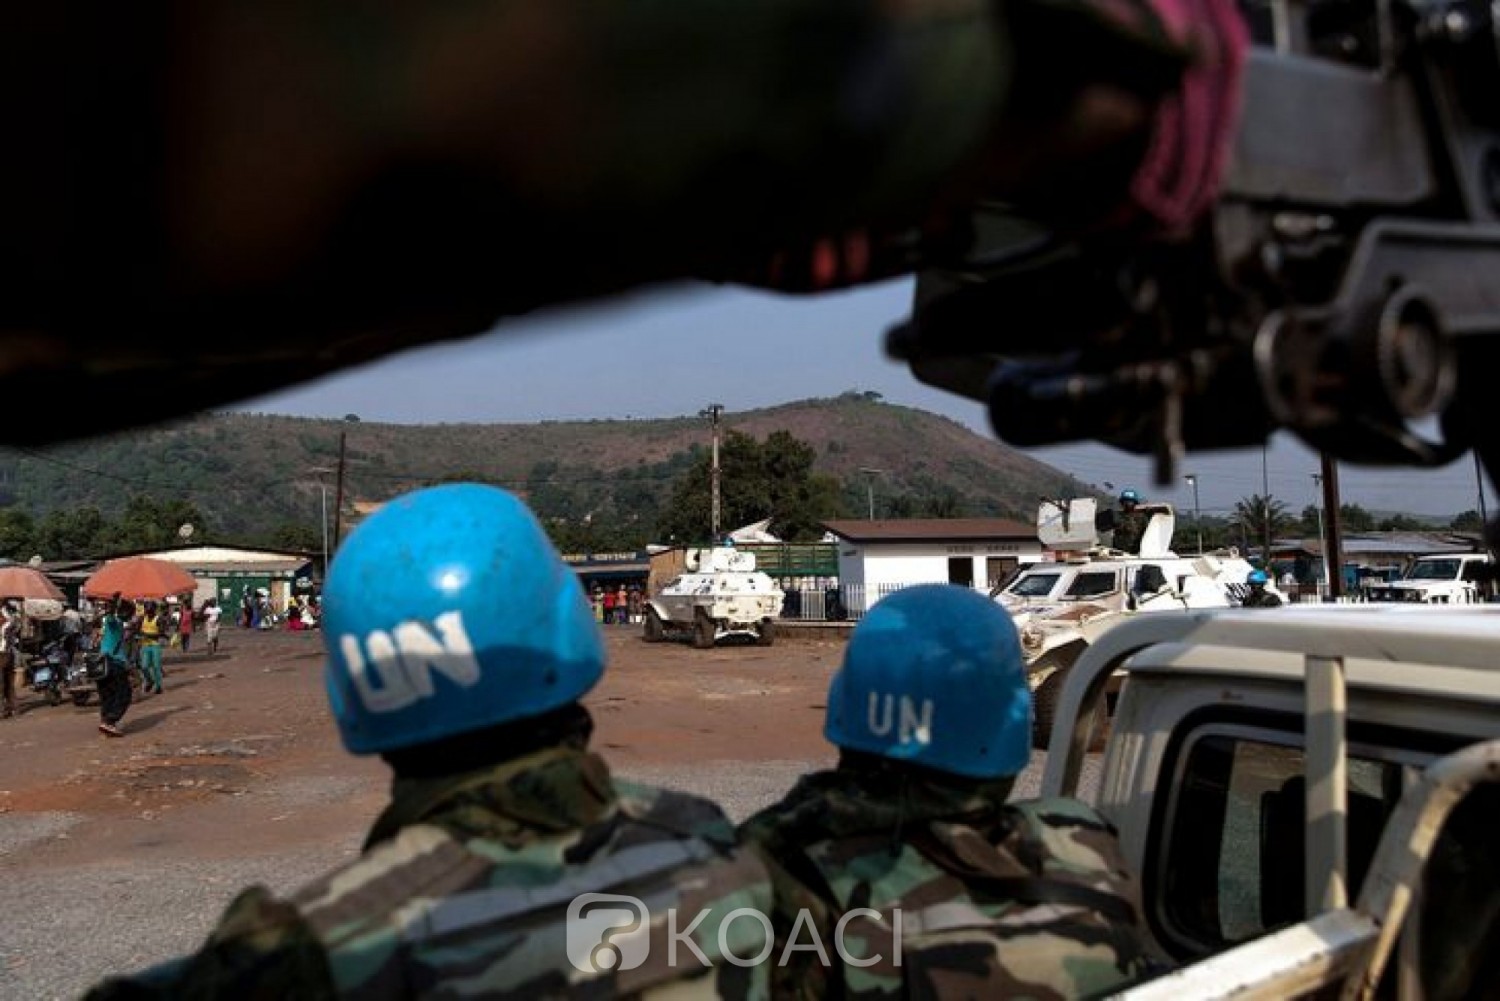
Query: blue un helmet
x,y
933,675
448,610
1257,578
1129,497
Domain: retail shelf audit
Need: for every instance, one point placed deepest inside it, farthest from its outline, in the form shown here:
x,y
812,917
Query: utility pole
x,y
1322,536
323,493
713,412
338,495
870,475
1265,509
1484,515
1332,548
1192,479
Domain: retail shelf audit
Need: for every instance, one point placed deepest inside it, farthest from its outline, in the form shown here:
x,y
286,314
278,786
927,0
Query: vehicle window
x,y
1433,570
1149,579
1091,584
1474,571
1233,859
1034,585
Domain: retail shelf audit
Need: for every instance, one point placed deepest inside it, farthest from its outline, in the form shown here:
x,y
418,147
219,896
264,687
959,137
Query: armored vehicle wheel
x,y
767,633
655,631
81,698
54,697
703,630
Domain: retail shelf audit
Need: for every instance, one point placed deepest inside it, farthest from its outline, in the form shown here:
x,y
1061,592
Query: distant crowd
x,y
619,605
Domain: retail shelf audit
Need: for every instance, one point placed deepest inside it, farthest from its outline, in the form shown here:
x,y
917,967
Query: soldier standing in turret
x,y
1127,526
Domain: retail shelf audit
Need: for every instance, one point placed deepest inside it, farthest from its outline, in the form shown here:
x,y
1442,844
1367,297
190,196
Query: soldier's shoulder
x,y
386,876
1073,837
677,811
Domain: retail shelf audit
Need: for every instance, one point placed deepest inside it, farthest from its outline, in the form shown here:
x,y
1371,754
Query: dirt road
x,y
115,854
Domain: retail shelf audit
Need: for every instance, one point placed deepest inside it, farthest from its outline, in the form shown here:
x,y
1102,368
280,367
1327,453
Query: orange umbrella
x,y
26,582
139,577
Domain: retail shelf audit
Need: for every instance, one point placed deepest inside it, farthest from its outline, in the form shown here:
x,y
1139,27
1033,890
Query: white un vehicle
x,y
721,595
1438,579
1307,793
1063,606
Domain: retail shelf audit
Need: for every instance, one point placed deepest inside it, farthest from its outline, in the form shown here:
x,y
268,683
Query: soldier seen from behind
x,y
459,646
1258,596
932,716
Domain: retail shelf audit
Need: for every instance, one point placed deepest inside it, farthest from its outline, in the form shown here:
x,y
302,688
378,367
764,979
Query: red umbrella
x,y
139,577
26,582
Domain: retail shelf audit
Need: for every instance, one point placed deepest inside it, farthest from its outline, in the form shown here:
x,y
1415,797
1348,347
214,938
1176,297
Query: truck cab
x,y
1305,794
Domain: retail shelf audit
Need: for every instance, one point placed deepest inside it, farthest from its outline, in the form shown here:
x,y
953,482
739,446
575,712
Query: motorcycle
x,y
47,671
51,672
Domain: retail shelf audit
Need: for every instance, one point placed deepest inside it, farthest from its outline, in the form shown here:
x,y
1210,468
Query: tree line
x,y
586,511
582,509
1255,516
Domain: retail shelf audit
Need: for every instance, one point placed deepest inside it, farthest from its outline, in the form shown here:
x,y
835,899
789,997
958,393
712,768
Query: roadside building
x,y
876,557
609,570
229,572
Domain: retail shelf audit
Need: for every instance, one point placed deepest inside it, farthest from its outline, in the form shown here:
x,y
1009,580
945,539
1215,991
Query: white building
x,y
878,557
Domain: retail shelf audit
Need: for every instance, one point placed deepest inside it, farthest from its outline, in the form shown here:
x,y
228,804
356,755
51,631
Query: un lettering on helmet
x,y
933,675
915,719
449,611
392,670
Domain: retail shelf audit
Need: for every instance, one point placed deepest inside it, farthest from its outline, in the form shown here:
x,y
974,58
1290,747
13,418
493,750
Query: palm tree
x,y
1258,517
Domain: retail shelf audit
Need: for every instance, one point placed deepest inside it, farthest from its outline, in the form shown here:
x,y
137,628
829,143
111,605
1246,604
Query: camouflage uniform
x,y
1023,899
1259,597
1129,526
463,888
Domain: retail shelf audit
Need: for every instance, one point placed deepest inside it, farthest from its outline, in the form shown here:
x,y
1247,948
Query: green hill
x,y
259,478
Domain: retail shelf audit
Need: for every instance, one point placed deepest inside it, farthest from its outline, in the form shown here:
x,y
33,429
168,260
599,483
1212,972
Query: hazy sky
x,y
670,353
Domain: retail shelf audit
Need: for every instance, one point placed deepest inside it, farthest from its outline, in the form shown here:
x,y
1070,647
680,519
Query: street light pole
x,y
870,487
1322,536
323,490
1192,479
712,412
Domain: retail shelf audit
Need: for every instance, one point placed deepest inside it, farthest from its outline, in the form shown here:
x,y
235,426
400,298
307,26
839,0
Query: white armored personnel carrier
x,y
720,595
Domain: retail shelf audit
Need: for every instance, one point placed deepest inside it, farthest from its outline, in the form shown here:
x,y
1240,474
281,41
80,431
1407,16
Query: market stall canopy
x,y
139,577
25,582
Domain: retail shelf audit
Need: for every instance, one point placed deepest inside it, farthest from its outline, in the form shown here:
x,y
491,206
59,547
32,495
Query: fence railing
x,y
839,602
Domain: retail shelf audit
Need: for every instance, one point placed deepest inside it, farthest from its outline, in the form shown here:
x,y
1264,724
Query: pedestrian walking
x,y
211,615
72,633
10,656
185,622
152,632
114,686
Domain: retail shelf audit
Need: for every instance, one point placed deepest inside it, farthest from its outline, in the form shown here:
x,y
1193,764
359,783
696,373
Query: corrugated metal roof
x,y
1384,544
249,567
930,529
